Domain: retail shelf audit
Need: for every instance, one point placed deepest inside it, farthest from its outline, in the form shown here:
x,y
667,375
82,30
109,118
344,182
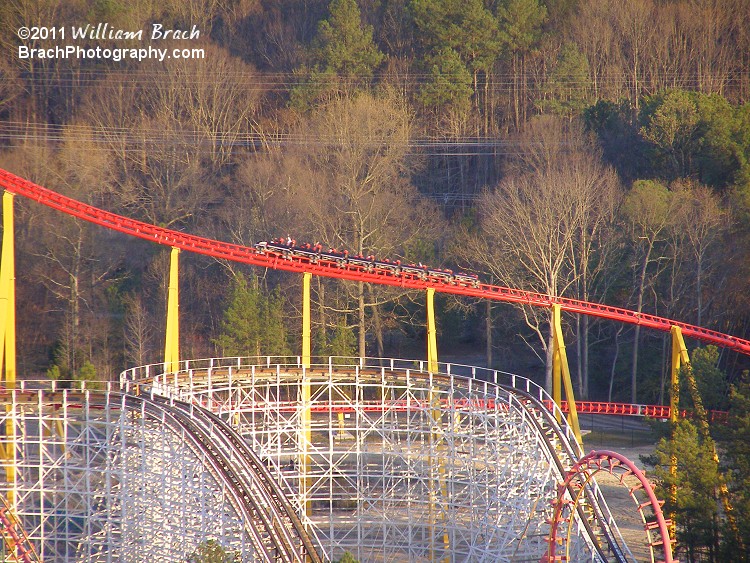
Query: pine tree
x,y
449,84
273,335
690,492
343,342
253,321
737,448
344,46
211,551
568,86
241,327
342,57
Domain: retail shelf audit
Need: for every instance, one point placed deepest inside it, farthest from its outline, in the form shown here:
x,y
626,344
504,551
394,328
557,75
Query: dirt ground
x,y
633,439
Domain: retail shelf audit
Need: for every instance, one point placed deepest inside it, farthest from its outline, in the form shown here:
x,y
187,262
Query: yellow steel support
x,y
306,417
680,356
432,355
8,294
560,367
436,434
8,333
306,277
436,438
172,342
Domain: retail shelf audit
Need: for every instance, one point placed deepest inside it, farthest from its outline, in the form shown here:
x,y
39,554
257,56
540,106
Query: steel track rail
x,y
246,509
541,409
356,272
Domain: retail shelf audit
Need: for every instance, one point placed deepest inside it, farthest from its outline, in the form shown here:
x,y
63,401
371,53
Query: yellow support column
x,y
432,355
436,433
172,341
680,356
8,293
560,366
8,333
306,277
436,515
306,417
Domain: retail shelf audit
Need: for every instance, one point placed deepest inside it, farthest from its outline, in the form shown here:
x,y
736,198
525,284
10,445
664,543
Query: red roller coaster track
x,y
334,269
578,477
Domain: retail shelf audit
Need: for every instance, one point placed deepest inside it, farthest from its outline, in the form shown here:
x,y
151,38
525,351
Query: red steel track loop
x,y
17,544
578,477
347,271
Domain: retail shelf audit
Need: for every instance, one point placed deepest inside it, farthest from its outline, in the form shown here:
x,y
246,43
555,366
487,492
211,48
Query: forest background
x,y
579,148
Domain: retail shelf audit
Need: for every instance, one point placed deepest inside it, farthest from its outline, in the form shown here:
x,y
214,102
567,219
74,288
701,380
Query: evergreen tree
x,y
343,342
344,46
449,82
711,381
211,551
87,373
520,27
568,86
273,336
670,123
521,24
737,448
690,492
253,321
241,327
466,27
342,57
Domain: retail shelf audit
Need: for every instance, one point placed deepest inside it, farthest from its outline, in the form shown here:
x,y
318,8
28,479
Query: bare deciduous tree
x,y
343,179
547,226
138,331
650,210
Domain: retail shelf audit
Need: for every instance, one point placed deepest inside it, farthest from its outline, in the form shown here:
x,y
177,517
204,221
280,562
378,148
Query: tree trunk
x,y
550,350
516,103
699,288
637,335
585,359
75,320
614,365
377,323
579,355
664,369
633,379
75,309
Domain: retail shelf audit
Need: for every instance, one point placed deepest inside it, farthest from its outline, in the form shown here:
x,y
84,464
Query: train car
x,y
314,253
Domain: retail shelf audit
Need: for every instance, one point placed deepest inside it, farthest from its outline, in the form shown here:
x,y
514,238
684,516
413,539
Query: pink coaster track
x,y
578,477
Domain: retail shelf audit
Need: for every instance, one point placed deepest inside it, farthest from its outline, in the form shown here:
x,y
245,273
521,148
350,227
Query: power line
x,y
128,139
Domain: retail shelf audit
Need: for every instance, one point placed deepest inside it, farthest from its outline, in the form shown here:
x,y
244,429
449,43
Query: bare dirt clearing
x,y
632,438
